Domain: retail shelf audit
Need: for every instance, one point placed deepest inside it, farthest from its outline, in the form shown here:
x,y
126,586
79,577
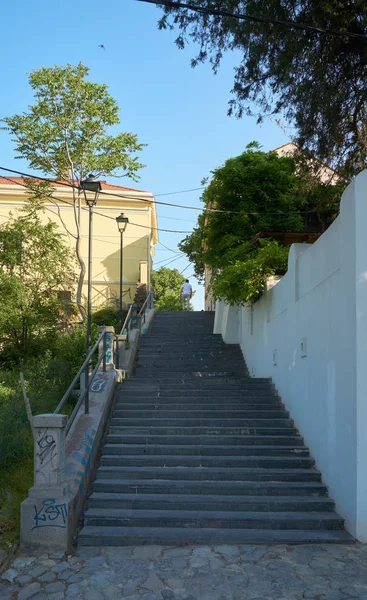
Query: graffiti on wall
x,y
79,465
50,514
109,348
99,383
46,448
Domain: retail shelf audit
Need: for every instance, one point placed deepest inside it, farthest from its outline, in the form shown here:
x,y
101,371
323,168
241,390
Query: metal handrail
x,y
147,304
127,320
77,377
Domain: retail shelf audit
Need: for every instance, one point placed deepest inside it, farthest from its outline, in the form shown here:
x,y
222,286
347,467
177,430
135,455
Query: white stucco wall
x,y
322,303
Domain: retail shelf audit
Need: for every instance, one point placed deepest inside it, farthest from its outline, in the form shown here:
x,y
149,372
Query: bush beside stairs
x,y
198,452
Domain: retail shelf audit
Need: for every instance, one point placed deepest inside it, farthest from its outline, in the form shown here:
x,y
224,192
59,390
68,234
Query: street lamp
x,y
122,222
91,188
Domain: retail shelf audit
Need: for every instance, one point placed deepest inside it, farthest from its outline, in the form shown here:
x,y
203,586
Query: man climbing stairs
x,y
199,452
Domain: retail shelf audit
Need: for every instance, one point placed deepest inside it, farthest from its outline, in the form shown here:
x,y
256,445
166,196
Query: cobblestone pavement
x,y
192,573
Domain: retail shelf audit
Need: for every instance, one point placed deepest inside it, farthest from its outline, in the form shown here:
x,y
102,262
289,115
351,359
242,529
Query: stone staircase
x,y
199,452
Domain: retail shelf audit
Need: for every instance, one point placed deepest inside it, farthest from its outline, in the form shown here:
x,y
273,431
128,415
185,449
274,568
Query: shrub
x,y
108,316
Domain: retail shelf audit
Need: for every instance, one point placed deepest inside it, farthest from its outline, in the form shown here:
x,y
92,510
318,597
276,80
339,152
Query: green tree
x,y
314,81
253,193
192,245
65,135
167,288
245,281
35,265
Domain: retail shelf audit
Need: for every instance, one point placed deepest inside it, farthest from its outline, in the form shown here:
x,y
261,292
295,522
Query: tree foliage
x,y
245,281
313,80
35,265
192,245
167,288
65,135
254,193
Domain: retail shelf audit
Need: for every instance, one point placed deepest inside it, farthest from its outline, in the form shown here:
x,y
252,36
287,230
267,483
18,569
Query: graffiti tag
x,y
47,449
98,385
50,514
79,466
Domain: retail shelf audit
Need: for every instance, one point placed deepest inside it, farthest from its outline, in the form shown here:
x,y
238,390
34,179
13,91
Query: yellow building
x,y
139,238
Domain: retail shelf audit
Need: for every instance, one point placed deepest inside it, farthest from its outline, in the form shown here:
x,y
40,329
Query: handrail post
x,y
104,352
86,383
106,346
117,351
49,434
134,317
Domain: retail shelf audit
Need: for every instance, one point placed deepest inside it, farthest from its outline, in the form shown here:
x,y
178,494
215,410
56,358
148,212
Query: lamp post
x,y
91,188
122,222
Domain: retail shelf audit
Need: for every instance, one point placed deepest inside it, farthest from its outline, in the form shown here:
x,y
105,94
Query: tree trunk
x,y
80,279
77,215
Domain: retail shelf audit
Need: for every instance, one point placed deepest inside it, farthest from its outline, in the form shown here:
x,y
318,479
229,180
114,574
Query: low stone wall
x,y
63,469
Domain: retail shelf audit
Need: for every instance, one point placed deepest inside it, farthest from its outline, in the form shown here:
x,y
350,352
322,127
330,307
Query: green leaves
x,y
167,288
314,81
245,281
66,130
35,265
66,134
266,193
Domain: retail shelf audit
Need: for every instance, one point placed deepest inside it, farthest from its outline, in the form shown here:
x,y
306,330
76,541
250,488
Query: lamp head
x,y
92,185
122,222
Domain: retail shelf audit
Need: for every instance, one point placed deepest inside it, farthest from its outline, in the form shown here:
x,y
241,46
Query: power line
x,y
185,269
167,263
53,197
110,194
170,259
170,249
175,219
181,192
121,197
256,19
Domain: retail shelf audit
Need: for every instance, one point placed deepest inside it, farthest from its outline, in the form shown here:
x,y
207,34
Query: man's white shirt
x,y
186,289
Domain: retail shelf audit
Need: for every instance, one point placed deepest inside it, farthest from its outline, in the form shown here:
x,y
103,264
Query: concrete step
x,y
176,536
186,365
115,517
210,502
200,450
197,422
226,488
197,462
202,431
232,381
195,395
172,373
226,352
232,441
199,383
169,413
208,473
170,404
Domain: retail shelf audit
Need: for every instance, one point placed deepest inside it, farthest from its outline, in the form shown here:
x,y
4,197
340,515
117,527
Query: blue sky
x,y
180,112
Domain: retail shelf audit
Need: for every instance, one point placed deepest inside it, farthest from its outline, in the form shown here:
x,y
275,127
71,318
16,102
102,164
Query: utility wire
x,y
170,259
121,197
185,269
167,263
95,212
256,19
105,193
181,192
170,249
